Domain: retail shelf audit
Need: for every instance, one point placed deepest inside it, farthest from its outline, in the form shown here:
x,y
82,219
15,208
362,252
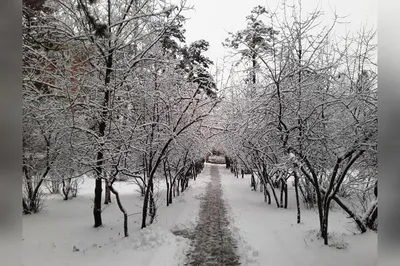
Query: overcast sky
x,y
212,19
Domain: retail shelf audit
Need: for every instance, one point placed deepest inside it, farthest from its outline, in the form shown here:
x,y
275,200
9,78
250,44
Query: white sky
x,y
212,19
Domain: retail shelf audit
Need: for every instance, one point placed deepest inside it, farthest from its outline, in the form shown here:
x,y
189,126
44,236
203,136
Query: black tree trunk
x,y
107,195
296,188
121,208
99,160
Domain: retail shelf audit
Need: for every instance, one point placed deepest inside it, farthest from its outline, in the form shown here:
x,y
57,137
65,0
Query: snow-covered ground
x,y
51,236
270,236
265,235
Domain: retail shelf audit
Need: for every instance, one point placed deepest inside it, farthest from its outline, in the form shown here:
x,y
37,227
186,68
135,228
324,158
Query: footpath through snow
x,y
212,240
223,219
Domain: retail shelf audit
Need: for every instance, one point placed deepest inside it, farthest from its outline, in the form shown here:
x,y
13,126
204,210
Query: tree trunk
x,y
274,194
320,213
74,188
373,212
371,219
281,194
166,182
170,194
267,196
286,196
254,63
111,189
296,185
100,155
183,184
29,187
267,180
152,207
324,227
107,195
167,194
194,172
25,207
171,189
142,188
97,202
253,182
146,202
66,188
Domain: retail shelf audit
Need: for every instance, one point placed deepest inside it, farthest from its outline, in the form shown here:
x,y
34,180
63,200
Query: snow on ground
x,y
62,233
267,235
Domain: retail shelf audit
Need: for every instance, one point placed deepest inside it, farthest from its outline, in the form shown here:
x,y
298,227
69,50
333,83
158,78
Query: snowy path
x,y
213,243
229,225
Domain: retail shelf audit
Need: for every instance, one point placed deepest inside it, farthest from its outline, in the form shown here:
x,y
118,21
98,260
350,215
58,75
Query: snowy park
x,y
164,133
262,234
